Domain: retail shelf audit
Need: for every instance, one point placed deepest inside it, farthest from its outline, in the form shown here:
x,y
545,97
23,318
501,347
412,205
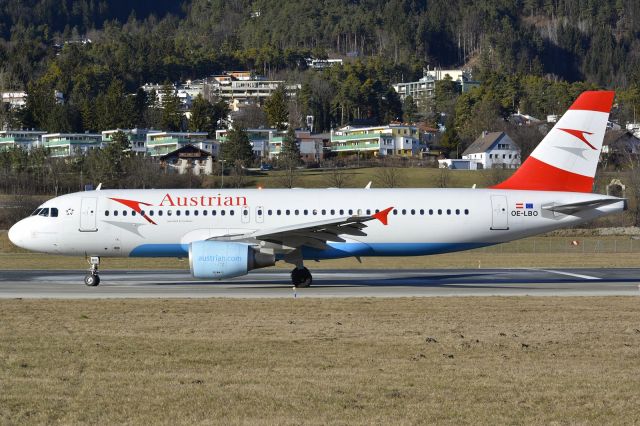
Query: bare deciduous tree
x,y
390,177
337,178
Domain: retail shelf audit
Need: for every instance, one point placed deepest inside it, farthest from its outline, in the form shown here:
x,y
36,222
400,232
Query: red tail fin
x,y
567,157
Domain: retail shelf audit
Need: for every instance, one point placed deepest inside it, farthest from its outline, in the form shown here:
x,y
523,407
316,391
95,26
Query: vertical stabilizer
x,y
567,157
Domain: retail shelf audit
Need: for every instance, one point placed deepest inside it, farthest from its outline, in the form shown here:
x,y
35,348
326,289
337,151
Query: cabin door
x,y
88,213
500,215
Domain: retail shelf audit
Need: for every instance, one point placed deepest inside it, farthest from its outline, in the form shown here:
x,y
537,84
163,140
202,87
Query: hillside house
x,y
493,150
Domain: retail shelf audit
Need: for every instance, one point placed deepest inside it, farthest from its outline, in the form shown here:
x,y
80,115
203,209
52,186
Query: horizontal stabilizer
x,y
573,208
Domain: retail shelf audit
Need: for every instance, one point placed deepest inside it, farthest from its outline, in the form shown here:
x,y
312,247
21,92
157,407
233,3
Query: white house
x,y
495,149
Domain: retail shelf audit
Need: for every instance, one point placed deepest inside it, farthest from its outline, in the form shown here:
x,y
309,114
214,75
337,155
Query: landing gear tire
x,y
301,278
92,280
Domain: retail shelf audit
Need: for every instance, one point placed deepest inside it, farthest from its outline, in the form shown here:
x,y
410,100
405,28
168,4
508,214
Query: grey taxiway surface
x,y
327,283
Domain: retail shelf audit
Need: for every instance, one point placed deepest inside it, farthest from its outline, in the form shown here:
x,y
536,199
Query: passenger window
x,y
133,213
341,212
324,212
278,212
195,213
333,212
159,212
306,212
124,212
186,212
466,211
404,211
106,212
169,212
245,212
439,211
287,212
150,212
457,211
178,212
368,212
213,212
395,211
222,212
448,211
296,212
413,211
204,212
315,212
115,212
350,211
422,212
430,212
232,212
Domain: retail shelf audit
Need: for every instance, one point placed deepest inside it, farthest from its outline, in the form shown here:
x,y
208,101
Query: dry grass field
x,y
359,361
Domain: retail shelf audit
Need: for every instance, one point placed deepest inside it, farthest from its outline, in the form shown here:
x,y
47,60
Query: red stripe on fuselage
x,y
536,175
600,101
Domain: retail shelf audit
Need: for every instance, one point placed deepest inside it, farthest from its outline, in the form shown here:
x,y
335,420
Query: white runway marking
x,y
570,274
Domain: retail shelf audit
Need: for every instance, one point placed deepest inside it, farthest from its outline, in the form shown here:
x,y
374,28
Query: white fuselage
x,y
424,221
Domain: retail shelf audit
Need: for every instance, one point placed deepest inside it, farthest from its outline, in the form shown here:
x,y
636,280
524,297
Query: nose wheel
x,y
92,279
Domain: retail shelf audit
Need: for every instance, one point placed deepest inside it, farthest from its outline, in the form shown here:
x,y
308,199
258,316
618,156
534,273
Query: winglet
x,y
382,215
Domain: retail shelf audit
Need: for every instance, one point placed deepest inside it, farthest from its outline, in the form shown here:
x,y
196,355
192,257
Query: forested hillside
x,y
530,54
594,40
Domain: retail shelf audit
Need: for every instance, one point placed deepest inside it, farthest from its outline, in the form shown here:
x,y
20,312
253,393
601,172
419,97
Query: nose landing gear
x,y
92,279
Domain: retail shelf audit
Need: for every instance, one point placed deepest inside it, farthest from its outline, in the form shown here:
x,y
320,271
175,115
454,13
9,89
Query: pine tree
x,y
171,114
275,107
237,148
290,151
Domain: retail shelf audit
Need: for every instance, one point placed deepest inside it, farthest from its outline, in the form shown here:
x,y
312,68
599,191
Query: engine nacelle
x,y
222,259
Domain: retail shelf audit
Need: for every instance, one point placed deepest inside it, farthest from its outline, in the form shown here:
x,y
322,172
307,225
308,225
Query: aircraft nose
x,y
16,234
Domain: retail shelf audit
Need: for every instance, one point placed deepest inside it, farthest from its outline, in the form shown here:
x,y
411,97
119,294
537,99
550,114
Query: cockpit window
x,y
44,212
36,212
54,212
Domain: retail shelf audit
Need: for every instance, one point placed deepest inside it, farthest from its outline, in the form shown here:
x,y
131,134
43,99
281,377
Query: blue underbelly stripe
x,y
336,250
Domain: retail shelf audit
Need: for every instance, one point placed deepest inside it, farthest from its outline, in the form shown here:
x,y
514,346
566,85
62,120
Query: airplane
x,y
228,232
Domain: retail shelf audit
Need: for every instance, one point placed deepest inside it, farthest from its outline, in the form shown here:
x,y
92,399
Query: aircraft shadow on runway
x,y
480,280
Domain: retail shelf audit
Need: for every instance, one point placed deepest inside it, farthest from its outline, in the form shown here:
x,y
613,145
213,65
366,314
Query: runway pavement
x,y
333,283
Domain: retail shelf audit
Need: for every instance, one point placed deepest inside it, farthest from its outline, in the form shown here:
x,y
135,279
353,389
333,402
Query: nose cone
x,y
17,234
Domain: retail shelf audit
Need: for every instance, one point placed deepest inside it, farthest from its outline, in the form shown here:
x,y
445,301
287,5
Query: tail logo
x,y
580,134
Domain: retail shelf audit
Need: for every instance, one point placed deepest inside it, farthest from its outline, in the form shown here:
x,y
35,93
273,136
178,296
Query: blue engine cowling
x,y
222,259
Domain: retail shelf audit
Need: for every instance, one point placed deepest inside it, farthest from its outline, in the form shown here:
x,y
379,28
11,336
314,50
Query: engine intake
x,y
221,259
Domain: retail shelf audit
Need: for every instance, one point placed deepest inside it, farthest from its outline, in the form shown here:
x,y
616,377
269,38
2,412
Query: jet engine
x,y
222,259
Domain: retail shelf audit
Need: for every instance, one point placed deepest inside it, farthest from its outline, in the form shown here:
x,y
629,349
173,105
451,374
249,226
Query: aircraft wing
x,y
314,234
573,208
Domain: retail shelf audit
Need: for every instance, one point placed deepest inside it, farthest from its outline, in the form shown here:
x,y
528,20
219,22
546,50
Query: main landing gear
x,y
92,279
300,276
